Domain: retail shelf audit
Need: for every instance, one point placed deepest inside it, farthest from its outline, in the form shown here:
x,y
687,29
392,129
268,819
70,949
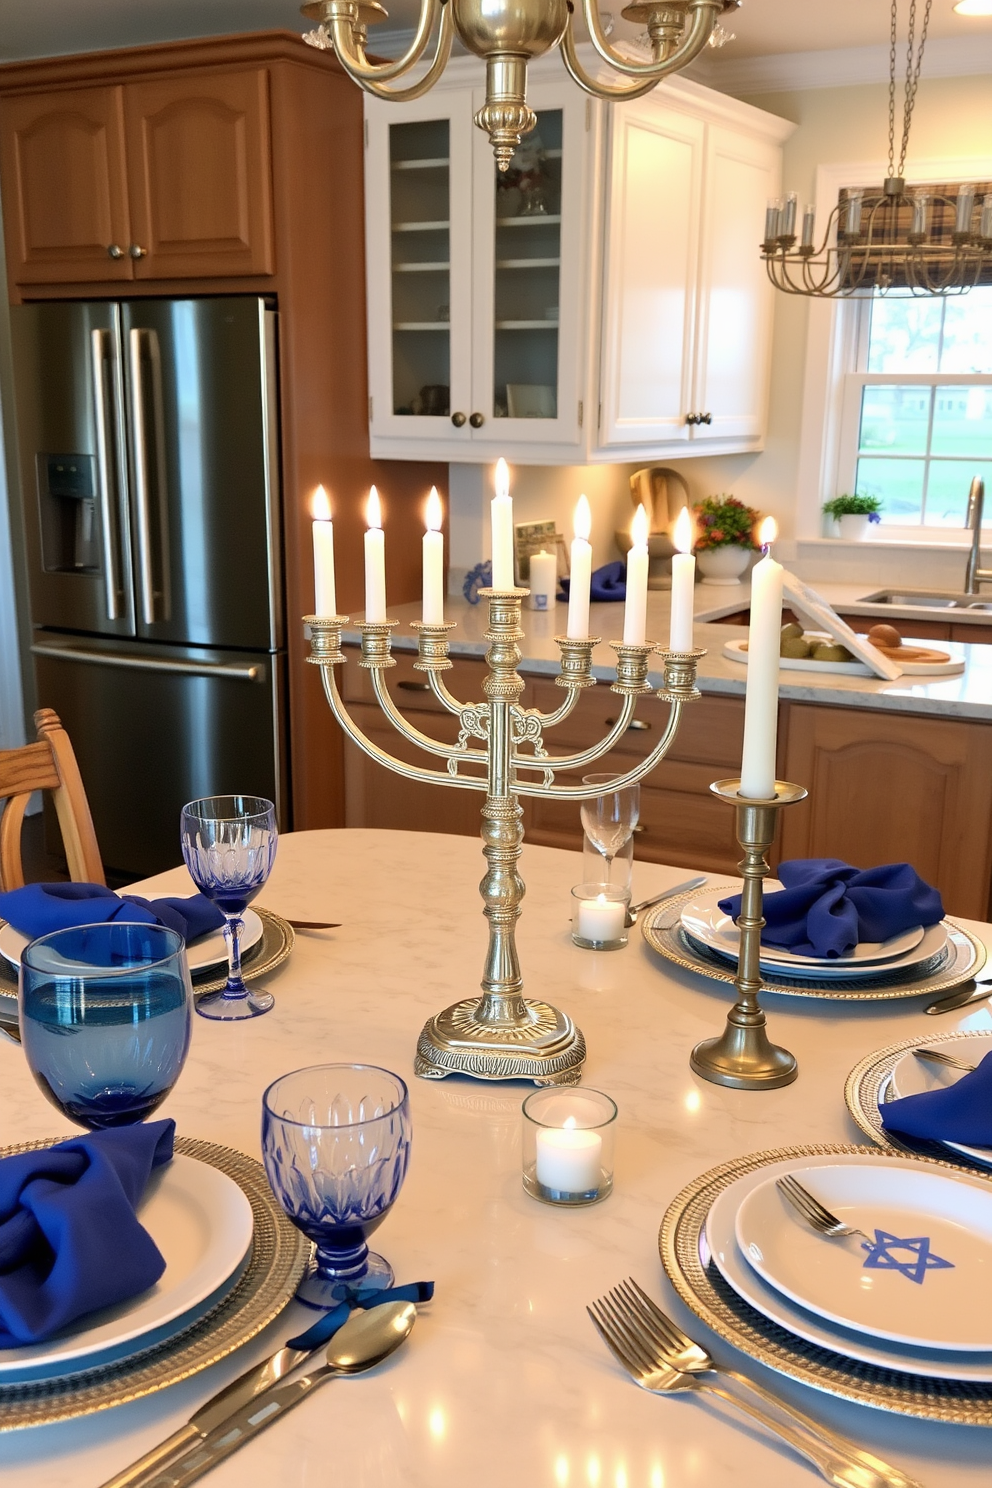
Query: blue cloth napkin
x,y
37,909
827,907
325,1328
70,1241
607,583
961,1113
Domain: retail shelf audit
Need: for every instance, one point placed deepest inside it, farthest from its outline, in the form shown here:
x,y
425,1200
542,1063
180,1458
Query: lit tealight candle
x,y
325,598
683,585
375,561
568,1159
601,919
763,643
635,614
433,562
580,573
502,524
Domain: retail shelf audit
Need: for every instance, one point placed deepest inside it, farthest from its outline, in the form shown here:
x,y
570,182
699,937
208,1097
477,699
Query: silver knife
x,y
682,888
962,997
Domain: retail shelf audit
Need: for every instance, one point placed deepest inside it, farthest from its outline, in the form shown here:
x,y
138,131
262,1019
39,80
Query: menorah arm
x,y
444,696
339,20
400,767
550,720
704,14
422,741
586,756
587,792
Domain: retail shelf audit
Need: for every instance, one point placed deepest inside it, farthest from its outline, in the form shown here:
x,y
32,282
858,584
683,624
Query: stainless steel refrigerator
x,y
149,453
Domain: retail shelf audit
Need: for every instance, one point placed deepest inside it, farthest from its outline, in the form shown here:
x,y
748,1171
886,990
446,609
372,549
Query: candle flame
x,y
433,518
320,505
582,521
373,511
639,528
682,536
502,477
768,532
569,1123
600,898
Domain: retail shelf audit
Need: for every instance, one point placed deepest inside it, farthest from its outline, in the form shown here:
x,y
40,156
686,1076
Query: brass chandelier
x,y
929,240
506,34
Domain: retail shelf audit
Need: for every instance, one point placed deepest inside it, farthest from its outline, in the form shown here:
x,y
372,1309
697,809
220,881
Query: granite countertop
x,y
968,695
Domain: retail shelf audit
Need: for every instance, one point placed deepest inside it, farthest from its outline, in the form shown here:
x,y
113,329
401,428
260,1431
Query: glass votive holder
x,y
599,916
568,1145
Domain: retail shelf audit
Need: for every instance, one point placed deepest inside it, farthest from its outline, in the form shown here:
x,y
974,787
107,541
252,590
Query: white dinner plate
x,y
705,921
912,1076
925,1278
201,1221
202,953
721,1243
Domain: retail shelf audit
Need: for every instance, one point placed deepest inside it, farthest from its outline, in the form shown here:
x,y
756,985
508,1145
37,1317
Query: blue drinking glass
x,y
336,1147
229,845
106,1012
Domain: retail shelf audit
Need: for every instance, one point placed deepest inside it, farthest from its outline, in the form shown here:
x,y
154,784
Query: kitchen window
x,y
916,423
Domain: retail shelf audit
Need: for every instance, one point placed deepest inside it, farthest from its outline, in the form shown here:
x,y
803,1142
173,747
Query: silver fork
x,y
649,1369
816,1215
937,1056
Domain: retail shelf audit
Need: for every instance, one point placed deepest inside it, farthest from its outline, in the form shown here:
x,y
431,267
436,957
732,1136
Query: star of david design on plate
x,y
884,1255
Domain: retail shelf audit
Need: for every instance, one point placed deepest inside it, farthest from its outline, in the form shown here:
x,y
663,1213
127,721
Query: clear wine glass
x,y
609,819
229,846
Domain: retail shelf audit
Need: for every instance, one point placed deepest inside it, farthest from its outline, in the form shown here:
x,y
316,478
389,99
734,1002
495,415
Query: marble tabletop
x,y
504,1380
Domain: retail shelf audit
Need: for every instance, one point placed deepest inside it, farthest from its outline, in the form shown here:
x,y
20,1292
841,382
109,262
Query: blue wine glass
x,y
229,845
336,1147
105,1013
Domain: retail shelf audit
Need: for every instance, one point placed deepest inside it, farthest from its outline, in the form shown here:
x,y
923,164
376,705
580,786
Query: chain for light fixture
x,y
878,241
506,34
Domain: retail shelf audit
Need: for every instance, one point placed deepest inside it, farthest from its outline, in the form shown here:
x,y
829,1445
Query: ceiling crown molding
x,y
846,67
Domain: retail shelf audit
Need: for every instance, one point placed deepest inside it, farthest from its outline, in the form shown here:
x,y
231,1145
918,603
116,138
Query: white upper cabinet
x,y
598,302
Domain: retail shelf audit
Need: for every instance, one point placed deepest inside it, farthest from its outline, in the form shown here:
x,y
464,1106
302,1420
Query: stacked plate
x,y
203,954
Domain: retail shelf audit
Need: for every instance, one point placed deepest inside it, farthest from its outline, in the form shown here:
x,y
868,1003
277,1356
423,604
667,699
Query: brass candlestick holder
x,y
744,1056
502,1035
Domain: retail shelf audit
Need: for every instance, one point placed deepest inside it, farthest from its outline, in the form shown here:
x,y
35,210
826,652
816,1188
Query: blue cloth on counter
x,y
827,907
960,1113
607,583
38,909
325,1328
70,1241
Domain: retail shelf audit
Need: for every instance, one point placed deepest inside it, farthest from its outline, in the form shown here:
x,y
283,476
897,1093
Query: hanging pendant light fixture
x,y
930,240
506,34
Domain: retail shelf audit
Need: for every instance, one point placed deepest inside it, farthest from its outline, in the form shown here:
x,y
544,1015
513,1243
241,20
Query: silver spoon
x,y
364,1341
937,1056
683,888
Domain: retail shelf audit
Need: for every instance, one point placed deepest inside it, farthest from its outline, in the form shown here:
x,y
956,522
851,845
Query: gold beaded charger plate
x,y
869,1086
278,1259
685,1257
960,959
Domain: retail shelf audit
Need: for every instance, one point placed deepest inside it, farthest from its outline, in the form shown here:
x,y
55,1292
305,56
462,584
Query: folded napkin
x,y
827,907
607,583
961,1113
70,1241
325,1327
39,908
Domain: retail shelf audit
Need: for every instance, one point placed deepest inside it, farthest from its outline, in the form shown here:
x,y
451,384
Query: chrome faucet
x,y
974,576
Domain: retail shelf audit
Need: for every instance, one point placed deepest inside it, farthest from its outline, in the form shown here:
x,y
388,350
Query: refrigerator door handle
x,y
100,342
153,663
152,586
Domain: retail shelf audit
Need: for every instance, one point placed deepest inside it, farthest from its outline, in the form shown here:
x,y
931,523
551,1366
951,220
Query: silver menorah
x,y
503,1035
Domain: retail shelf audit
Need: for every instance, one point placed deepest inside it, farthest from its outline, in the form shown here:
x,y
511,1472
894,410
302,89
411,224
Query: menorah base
x,y
547,1048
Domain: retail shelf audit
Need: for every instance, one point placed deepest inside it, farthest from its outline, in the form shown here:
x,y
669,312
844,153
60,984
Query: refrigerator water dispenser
x,y
67,506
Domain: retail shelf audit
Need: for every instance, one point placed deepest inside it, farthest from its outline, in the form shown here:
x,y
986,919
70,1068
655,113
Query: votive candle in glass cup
x,y
599,916
568,1138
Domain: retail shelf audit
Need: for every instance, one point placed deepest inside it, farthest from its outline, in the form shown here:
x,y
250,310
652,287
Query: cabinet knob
x,y
705,418
637,725
639,828
477,420
692,418
458,419
136,251
114,250
410,686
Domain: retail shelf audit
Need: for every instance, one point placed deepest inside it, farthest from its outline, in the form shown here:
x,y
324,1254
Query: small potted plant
x,y
724,543
853,515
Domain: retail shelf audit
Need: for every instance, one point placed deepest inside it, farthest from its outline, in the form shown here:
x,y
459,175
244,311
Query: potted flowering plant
x,y
724,538
853,515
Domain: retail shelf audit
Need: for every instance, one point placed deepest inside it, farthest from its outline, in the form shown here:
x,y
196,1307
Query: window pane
x,y
968,332
895,419
899,483
947,491
904,335
962,421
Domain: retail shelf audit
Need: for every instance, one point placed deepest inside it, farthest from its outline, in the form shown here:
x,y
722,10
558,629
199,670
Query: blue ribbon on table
x,y
960,1113
325,1328
37,909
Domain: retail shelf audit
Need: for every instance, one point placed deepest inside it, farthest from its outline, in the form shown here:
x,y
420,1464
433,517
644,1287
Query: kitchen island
x,y
895,770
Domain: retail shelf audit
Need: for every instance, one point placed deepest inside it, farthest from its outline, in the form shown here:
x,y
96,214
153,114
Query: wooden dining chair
x,y
50,764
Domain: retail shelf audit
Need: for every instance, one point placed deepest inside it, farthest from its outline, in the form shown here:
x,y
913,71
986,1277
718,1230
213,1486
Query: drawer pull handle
x,y
637,725
409,686
640,827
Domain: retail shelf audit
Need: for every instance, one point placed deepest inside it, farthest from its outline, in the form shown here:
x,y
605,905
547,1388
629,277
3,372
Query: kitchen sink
x,y
927,599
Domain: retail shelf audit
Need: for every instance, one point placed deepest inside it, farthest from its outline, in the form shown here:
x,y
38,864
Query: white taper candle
x,y
580,573
325,598
502,522
763,646
433,562
375,561
683,585
635,612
